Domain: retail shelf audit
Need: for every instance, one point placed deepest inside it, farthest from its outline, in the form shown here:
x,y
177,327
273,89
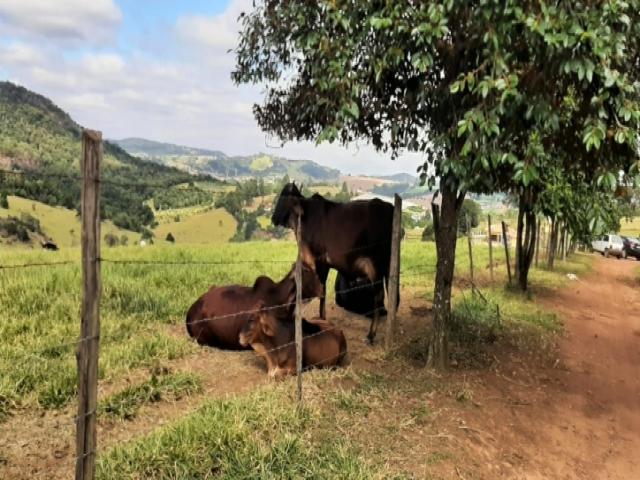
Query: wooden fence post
x,y
298,324
506,249
490,246
88,346
470,251
538,244
394,274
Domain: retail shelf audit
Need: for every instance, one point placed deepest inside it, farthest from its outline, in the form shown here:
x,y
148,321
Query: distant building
x,y
406,204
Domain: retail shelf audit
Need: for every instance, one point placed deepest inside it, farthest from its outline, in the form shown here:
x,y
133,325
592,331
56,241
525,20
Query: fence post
x,y
506,249
538,244
394,274
87,353
490,246
470,251
298,324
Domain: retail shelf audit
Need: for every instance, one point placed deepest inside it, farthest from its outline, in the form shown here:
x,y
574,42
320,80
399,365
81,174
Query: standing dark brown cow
x,y
218,316
353,237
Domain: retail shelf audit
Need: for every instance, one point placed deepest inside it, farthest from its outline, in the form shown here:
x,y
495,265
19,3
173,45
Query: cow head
x,y
259,330
288,207
311,285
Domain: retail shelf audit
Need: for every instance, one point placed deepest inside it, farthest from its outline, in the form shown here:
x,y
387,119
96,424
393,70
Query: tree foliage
x,y
469,215
493,93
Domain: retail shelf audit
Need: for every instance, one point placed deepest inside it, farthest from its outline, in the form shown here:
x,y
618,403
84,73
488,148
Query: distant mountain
x,y
218,164
400,178
143,148
43,142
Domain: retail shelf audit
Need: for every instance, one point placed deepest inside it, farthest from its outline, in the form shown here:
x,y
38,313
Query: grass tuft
x,y
126,403
262,435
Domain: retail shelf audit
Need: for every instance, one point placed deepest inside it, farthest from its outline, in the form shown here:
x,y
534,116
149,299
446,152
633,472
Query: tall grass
x,y
261,435
39,314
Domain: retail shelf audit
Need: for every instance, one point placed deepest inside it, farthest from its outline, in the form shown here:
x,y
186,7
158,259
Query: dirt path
x,y
578,418
593,431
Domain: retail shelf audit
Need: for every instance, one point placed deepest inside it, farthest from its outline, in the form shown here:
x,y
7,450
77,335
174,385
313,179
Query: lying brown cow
x,y
218,316
323,344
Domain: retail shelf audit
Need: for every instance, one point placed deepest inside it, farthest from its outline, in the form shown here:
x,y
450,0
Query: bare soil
x,y
568,411
577,417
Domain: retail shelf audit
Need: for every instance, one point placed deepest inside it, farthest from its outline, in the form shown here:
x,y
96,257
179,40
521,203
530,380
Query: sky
x,y
157,69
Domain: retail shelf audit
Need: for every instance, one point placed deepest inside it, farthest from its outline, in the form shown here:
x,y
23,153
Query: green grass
x,y
261,163
207,227
39,319
173,386
630,228
59,223
261,435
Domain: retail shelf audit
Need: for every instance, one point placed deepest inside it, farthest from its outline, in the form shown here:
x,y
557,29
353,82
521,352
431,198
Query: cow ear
x,y
267,322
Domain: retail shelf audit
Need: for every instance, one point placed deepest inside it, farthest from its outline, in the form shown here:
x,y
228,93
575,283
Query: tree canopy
x,y
494,93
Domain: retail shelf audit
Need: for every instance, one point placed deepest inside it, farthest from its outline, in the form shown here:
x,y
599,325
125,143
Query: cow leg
x,y
322,271
378,302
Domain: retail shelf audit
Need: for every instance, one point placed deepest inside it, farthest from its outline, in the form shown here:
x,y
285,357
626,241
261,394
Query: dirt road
x,y
580,417
593,431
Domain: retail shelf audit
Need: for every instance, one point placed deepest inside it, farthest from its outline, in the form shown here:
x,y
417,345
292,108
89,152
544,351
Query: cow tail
x,y
188,322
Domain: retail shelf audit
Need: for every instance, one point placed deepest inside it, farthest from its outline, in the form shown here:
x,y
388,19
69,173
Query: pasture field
x,y
202,227
630,227
59,223
147,363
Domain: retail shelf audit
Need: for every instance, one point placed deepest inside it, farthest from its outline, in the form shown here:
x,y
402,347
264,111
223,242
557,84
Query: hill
x,y
400,178
206,227
56,223
43,142
218,164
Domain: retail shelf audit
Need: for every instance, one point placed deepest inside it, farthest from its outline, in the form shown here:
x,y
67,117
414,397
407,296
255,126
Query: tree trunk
x,y
525,245
445,224
553,242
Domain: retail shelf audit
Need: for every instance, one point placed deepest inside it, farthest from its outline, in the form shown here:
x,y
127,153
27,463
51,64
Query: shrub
x,y
111,240
429,232
170,238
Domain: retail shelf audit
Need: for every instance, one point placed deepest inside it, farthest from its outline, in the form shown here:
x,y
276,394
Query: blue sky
x,y
157,69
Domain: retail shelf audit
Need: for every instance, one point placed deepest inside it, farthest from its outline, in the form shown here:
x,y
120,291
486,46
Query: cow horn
x,y
301,185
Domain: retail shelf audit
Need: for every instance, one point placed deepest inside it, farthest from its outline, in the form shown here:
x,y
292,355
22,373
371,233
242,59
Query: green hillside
x,y
203,227
42,141
58,223
218,164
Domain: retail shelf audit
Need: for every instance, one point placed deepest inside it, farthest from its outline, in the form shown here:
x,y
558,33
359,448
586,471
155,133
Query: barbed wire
x,y
188,262
39,264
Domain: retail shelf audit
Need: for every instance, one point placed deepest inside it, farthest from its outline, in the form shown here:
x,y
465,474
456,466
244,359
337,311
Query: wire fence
x,y
92,180
86,450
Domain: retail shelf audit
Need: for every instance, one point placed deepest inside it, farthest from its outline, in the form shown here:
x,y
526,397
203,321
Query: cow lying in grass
x,y
323,344
218,316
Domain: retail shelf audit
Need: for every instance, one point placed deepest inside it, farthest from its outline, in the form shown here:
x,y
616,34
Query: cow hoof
x,y
368,340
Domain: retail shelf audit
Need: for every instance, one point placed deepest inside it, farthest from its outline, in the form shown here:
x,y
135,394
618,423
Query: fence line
x,y
39,264
90,338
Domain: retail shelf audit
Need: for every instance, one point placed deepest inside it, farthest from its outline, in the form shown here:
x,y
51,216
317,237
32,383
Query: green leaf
x,y
353,109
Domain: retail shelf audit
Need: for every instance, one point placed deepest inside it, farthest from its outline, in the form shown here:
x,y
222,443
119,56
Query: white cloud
x,y
19,53
186,98
219,32
104,64
91,21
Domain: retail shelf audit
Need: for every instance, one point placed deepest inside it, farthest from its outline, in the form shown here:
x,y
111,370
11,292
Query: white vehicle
x,y
609,245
